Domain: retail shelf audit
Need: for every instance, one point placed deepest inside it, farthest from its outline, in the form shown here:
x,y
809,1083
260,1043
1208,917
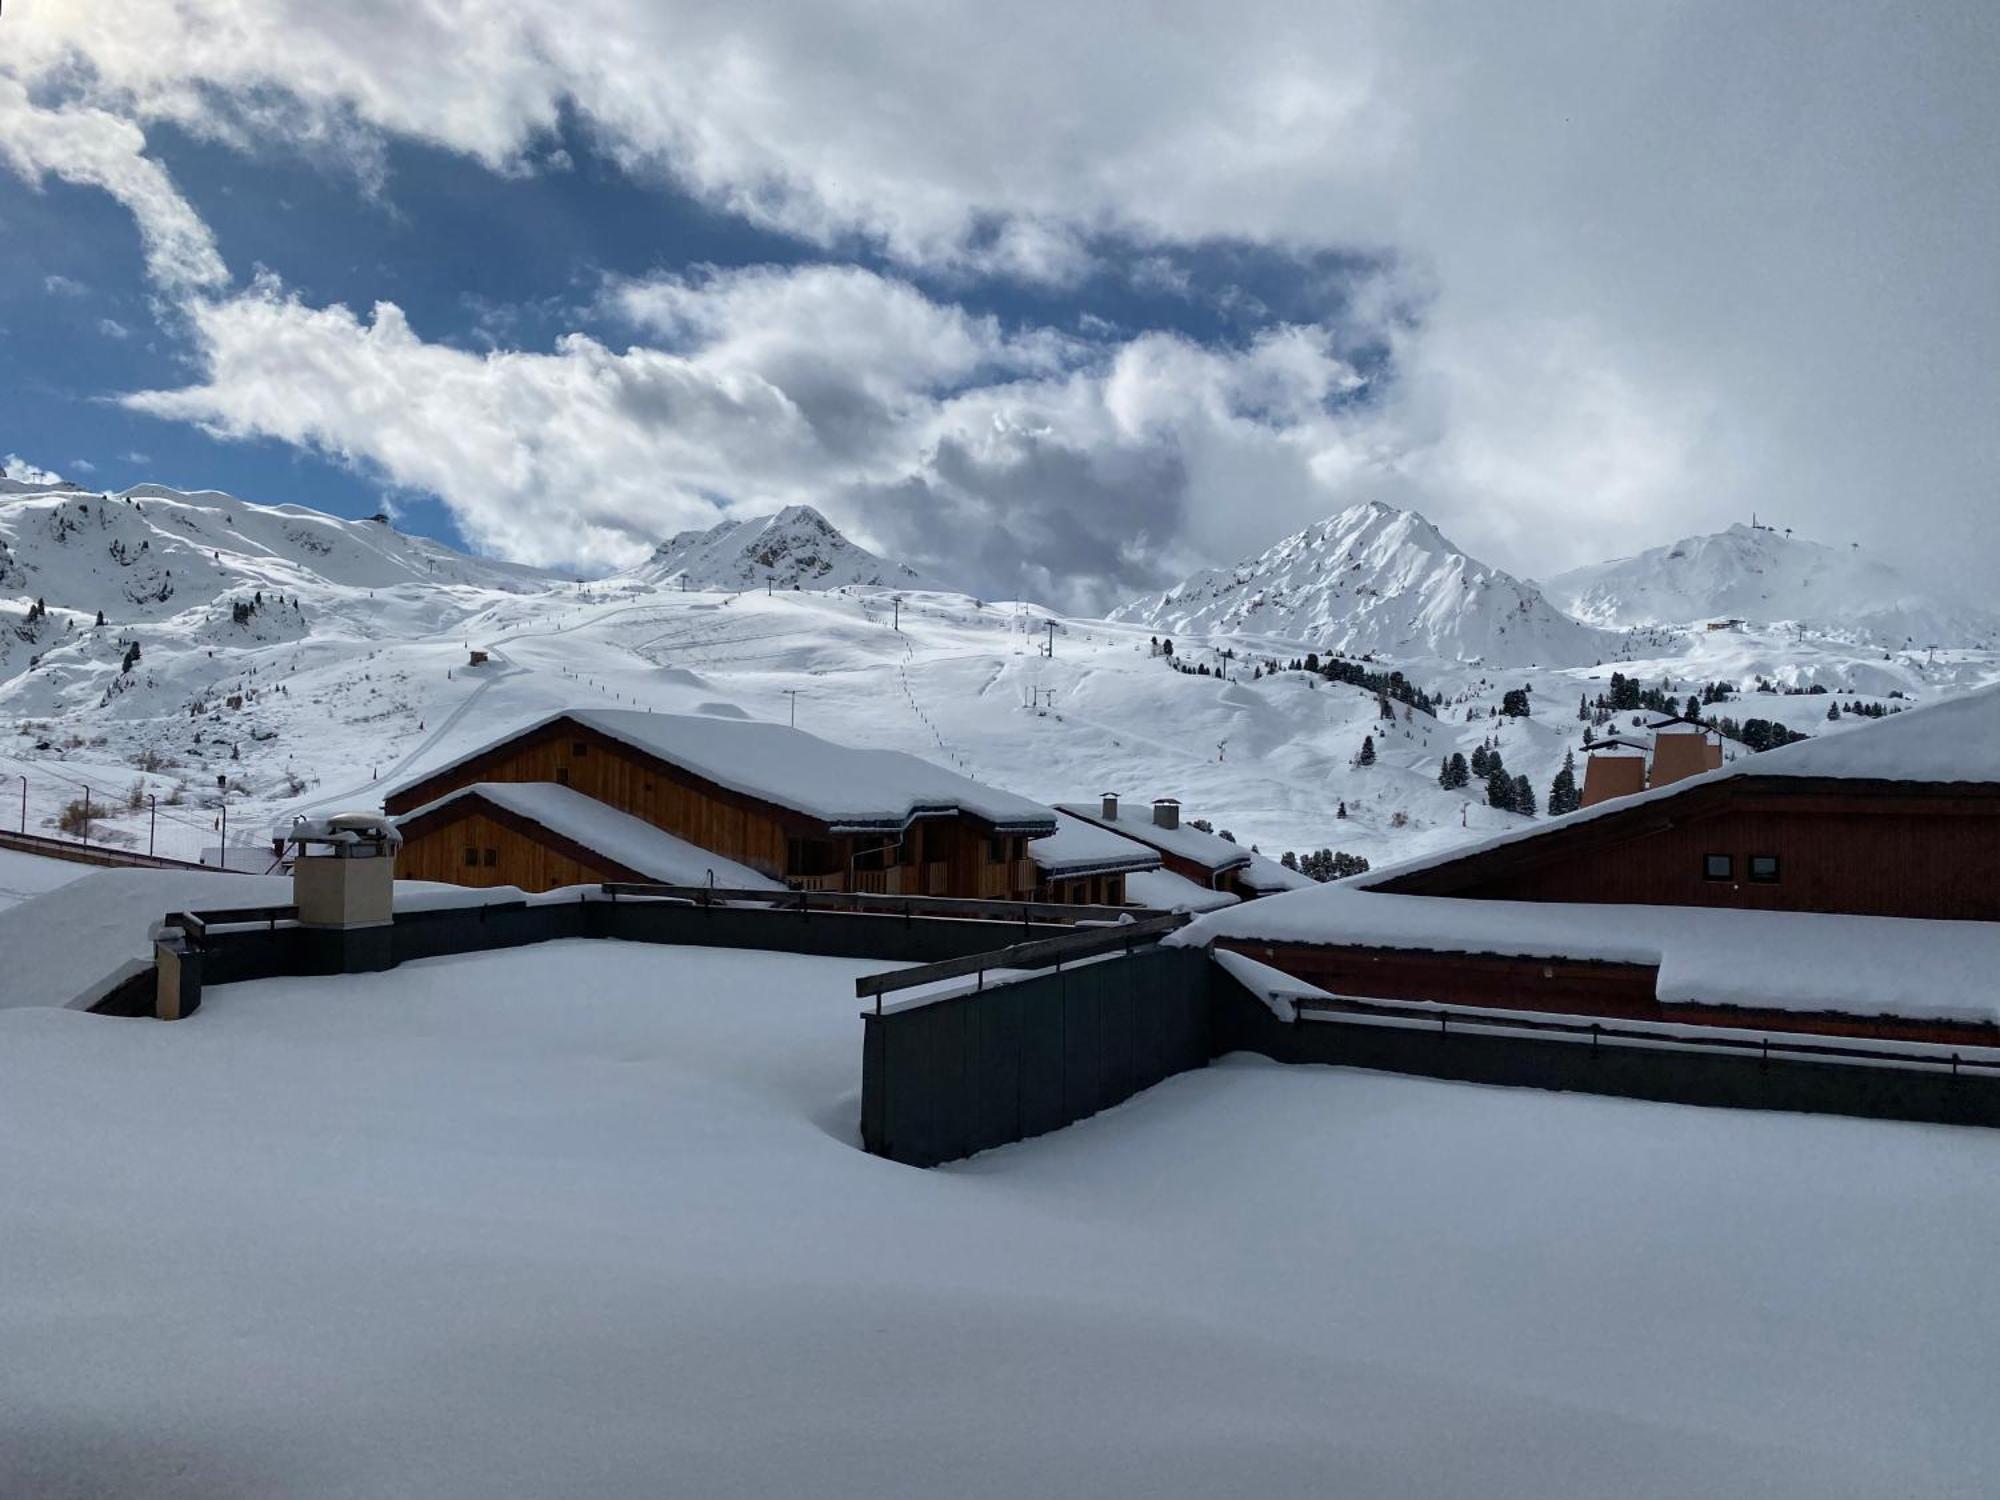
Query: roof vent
x,y
1111,807
1167,812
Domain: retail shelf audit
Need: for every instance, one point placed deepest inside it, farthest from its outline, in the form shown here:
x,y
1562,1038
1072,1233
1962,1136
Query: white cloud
x,y
981,452
1686,259
97,149
111,328
59,285
17,468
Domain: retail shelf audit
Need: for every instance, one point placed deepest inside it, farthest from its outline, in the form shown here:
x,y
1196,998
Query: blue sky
x,y
1037,301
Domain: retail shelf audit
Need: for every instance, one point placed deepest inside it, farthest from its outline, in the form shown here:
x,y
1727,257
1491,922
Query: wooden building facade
x,y
941,851
1776,843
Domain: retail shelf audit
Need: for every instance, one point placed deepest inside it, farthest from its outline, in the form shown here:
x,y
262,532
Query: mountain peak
x,y
795,547
1375,578
1763,575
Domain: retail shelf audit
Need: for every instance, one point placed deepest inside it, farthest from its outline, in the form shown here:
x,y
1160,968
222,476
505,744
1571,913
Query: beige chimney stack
x,y
1111,807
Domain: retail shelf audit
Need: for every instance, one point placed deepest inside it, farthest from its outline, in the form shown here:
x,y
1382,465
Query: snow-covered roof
x,y
1185,842
1956,741
1080,848
1266,876
845,786
1781,960
603,829
1163,890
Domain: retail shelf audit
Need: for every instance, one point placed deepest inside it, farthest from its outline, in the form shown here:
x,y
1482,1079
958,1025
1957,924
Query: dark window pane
x,y
1718,867
471,857
1764,868
492,858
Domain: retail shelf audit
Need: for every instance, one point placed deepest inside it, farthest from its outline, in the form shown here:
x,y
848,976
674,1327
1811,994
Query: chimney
x,y
1111,807
1166,812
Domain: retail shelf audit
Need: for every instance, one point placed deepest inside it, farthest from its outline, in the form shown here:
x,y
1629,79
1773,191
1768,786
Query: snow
x,y
322,707
1777,960
73,944
1376,579
1765,575
76,943
846,786
1183,840
1080,848
796,548
472,1229
1265,875
632,842
25,876
1163,890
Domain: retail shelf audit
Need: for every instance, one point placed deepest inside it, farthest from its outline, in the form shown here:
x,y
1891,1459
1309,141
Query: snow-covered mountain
x,y
151,552
796,548
1757,574
1376,579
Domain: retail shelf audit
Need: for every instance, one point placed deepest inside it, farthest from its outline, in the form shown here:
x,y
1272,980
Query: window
x,y
996,850
472,859
1718,867
492,858
1764,869
562,775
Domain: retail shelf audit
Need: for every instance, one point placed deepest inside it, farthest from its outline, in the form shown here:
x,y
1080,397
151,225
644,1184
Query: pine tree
x,y
1514,703
1499,788
1461,774
1289,860
1444,773
1367,750
1563,795
100,617
1693,709
1583,707
1524,796
1340,811
131,657
1833,711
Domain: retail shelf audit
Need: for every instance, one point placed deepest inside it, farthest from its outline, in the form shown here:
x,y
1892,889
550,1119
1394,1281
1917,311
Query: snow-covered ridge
x,y
151,551
1376,579
1754,573
796,548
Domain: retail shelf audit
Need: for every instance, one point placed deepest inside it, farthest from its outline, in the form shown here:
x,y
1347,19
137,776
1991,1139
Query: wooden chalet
x,y
1879,840
739,796
1212,863
1083,864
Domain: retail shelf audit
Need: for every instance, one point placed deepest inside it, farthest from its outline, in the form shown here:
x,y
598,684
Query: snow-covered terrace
x,y
472,1228
850,788
1774,960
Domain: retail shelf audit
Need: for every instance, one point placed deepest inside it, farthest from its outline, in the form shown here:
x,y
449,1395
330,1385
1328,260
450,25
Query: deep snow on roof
x,y
1783,960
845,786
603,829
1265,875
1080,848
1163,890
1205,849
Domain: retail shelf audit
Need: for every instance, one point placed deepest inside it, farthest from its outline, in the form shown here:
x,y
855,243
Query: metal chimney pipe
x,y
1166,813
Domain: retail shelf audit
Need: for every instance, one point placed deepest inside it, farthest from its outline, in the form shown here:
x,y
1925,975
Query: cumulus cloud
x,y
1681,260
997,458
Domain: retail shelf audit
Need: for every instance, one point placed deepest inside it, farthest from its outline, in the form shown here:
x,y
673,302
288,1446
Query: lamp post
x,y
152,821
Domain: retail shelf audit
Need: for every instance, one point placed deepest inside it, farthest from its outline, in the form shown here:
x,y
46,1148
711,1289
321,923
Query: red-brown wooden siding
x,y
1871,854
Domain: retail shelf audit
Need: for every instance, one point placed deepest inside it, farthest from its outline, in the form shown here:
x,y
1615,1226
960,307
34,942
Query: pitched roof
x,y
619,837
845,786
1184,842
1080,848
